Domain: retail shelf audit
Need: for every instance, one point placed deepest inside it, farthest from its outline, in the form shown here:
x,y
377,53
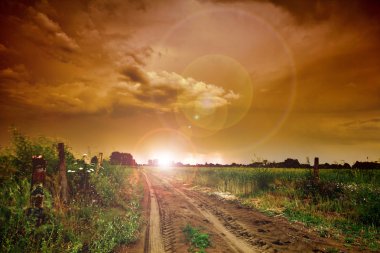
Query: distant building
x,y
153,162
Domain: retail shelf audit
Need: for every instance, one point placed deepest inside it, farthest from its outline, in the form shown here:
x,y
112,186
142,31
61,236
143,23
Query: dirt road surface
x,y
171,205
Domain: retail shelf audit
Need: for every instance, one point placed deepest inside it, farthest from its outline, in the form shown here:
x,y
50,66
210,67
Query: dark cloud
x,y
163,95
16,8
320,10
134,74
169,91
65,59
27,30
46,32
307,12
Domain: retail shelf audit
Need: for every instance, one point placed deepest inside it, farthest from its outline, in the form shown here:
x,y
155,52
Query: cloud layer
x,y
103,61
161,91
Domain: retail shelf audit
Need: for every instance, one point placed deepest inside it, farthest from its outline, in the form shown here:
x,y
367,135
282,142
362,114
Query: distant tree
x,y
291,163
118,158
366,165
94,160
115,158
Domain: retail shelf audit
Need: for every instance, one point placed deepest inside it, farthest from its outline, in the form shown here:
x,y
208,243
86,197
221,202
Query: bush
x,y
19,232
264,178
74,228
321,189
114,230
104,189
368,207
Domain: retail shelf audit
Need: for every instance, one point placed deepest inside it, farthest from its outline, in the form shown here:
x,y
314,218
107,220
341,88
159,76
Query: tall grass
x,y
241,181
96,219
347,201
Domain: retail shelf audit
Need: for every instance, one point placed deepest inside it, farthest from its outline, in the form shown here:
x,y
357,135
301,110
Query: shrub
x,y
197,239
368,207
114,230
104,189
263,178
321,189
76,225
19,232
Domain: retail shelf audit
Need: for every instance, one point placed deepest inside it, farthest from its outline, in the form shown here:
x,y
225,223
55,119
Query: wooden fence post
x,y
100,163
37,188
316,170
63,188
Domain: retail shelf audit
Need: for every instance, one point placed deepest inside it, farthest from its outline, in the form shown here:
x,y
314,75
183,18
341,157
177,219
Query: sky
x,y
195,81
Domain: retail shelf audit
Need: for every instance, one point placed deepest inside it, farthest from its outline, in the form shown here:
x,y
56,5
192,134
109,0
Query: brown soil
x,y
231,226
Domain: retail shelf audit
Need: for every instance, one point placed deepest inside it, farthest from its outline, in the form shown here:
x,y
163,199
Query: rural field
x,y
115,208
165,126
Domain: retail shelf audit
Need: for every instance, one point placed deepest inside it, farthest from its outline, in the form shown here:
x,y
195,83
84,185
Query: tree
x,y
118,158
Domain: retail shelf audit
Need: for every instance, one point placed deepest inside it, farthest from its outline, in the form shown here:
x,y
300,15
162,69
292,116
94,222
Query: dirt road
x,y
232,227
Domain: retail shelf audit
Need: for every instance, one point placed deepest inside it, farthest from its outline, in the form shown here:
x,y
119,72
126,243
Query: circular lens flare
x,y
262,43
229,97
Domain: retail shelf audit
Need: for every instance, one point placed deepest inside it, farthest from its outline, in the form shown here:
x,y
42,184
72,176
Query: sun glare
x,y
165,159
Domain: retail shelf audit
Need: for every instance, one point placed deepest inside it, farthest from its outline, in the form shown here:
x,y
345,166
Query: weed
x,y
96,220
198,241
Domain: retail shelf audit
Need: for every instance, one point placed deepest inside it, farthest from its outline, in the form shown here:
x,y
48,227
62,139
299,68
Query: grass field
x,y
344,204
97,218
98,222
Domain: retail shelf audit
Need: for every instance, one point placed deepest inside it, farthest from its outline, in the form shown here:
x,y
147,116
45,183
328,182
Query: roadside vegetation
x,y
198,241
103,210
344,204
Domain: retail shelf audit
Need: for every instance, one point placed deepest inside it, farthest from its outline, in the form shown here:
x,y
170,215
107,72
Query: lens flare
x,y
164,144
165,159
233,79
201,120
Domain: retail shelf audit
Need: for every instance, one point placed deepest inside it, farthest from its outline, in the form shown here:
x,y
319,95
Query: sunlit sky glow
x,y
165,159
204,81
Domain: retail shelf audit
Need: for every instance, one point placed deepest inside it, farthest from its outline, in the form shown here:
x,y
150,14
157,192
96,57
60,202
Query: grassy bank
x,y
99,217
345,204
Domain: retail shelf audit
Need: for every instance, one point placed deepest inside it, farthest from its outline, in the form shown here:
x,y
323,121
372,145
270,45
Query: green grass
x,y
86,225
96,219
198,241
344,205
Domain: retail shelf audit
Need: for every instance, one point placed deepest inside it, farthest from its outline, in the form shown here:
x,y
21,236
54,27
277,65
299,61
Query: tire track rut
x,y
231,226
167,229
272,234
154,235
235,241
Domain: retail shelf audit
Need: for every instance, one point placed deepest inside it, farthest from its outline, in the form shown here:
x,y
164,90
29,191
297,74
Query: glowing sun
x,y
165,159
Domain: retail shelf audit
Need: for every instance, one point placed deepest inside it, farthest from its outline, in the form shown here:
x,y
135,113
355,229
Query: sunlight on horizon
x,y
165,159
